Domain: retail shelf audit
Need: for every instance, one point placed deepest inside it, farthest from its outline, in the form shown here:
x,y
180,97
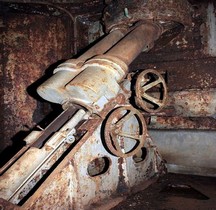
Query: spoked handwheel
x,y
151,91
125,131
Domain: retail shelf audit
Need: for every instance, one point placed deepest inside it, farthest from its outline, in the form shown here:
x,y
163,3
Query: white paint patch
x,y
211,21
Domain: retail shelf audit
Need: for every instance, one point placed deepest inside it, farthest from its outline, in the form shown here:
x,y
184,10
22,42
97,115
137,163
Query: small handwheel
x,y
151,91
125,131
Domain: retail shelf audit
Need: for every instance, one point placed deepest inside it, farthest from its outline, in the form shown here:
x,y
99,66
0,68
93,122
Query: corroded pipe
x,y
194,103
98,49
105,44
190,103
142,37
93,83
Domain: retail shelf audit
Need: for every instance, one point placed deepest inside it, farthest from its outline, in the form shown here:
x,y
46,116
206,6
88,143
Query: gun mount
x,y
99,147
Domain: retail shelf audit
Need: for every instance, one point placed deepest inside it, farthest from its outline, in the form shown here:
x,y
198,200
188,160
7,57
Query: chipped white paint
x,y
211,22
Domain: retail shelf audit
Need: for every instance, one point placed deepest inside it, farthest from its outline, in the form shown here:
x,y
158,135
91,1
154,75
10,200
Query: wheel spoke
x,y
152,84
124,118
131,136
115,141
152,99
144,81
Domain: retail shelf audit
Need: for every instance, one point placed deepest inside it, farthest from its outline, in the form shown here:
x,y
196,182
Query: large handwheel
x,y
125,131
151,91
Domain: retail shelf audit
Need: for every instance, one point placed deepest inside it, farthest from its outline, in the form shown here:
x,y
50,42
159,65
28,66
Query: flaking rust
x,y
25,58
87,160
52,170
178,122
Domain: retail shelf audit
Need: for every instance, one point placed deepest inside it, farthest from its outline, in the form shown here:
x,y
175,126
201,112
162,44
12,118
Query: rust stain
x,y
177,122
30,45
122,187
7,205
184,58
193,102
178,11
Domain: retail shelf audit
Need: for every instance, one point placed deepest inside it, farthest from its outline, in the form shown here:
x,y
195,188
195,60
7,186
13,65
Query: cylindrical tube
x,y
104,45
193,103
143,36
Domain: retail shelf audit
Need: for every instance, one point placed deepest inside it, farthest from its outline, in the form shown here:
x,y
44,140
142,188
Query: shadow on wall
x,y
44,108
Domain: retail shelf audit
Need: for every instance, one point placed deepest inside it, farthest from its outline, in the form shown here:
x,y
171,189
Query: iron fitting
x,y
73,65
109,63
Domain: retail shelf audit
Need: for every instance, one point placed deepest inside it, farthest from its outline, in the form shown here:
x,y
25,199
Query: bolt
x,y
70,139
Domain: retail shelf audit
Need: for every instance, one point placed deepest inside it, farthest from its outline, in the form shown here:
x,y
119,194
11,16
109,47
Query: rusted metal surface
x,y
104,45
98,49
64,187
194,103
190,103
105,71
128,12
54,148
32,166
55,11
186,73
54,88
6,205
106,184
75,185
142,37
54,126
38,138
59,41
185,59
17,174
178,122
97,83
23,64
195,73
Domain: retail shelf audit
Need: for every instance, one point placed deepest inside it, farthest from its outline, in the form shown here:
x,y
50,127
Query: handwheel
x,y
151,91
125,131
